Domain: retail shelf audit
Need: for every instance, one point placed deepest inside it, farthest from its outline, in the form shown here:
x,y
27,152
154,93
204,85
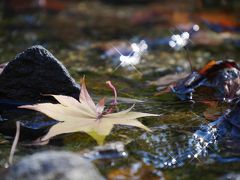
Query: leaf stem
x,y
114,91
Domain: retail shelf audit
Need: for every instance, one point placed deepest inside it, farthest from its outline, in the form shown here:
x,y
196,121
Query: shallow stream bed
x,y
79,35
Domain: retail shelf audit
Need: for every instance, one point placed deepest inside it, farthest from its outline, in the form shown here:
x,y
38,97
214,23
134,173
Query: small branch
x,y
188,58
14,145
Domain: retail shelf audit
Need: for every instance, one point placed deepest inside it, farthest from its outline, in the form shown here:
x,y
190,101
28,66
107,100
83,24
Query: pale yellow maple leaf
x,y
85,116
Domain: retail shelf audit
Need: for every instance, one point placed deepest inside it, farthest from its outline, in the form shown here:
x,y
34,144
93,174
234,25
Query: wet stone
x,y
52,165
35,72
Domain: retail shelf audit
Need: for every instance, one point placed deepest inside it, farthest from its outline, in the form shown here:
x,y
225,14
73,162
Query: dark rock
x,y
52,165
35,72
230,176
231,122
222,76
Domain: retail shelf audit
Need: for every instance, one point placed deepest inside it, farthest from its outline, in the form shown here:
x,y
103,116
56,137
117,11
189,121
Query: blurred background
x,y
80,32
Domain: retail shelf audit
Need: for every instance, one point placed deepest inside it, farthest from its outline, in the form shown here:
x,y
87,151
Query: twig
x,y
188,58
14,145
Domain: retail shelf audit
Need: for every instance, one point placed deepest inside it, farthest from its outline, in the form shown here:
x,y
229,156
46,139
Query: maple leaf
x,y
85,116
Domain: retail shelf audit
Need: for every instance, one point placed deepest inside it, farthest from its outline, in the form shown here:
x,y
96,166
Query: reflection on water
x,y
182,144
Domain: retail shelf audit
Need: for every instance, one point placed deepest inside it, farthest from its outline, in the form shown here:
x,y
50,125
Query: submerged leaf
x,y
169,79
214,110
85,116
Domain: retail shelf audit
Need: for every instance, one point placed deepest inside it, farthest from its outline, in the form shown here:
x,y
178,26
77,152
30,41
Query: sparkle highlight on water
x,y
179,41
134,57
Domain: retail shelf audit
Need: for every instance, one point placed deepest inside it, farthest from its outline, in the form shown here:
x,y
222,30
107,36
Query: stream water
x,y
182,144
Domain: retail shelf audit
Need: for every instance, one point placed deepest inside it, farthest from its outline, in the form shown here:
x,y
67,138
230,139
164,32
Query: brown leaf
x,y
169,79
137,171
